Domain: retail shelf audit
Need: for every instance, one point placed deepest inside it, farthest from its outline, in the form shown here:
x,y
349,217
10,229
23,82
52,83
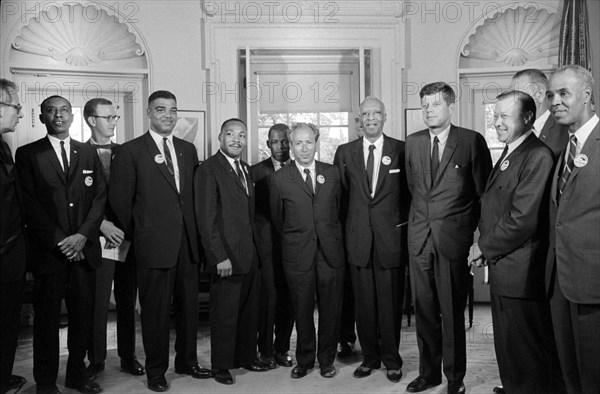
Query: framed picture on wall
x,y
191,127
413,120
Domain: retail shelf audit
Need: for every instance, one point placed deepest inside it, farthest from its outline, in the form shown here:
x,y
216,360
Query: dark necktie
x,y
502,156
168,158
309,181
6,156
104,153
238,170
435,159
568,167
63,154
370,166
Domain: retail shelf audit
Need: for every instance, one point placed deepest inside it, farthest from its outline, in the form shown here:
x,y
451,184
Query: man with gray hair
x,y
12,241
535,83
573,265
305,206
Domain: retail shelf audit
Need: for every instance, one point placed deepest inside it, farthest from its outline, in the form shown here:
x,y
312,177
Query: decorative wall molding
x,y
515,36
77,35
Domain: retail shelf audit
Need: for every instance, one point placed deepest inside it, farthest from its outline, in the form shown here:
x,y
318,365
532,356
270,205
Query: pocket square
x,y
395,171
402,224
88,171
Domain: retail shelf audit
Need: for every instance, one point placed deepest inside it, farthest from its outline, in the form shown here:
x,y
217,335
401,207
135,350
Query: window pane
x,y
271,119
303,117
333,118
263,149
329,139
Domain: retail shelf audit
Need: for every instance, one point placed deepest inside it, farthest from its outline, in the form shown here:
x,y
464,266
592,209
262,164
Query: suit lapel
x,y
153,151
74,160
295,174
231,173
318,172
589,150
53,159
358,158
425,158
451,145
513,156
384,169
180,161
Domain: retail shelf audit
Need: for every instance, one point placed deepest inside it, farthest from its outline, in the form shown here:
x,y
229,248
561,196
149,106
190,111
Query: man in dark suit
x,y
377,201
305,205
447,168
535,83
12,242
514,243
151,194
101,117
275,315
573,266
64,193
224,205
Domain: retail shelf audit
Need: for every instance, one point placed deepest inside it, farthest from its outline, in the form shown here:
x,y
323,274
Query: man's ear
x,y
42,119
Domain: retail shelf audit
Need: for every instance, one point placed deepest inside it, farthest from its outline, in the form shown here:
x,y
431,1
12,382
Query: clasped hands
x,y
72,247
476,256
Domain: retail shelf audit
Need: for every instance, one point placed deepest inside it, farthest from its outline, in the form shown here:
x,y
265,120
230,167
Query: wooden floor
x,y
482,371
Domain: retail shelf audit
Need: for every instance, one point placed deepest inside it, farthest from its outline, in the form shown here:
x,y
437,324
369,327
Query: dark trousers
x,y
378,296
158,288
234,318
347,329
576,329
328,284
439,290
525,347
275,316
125,289
11,294
76,283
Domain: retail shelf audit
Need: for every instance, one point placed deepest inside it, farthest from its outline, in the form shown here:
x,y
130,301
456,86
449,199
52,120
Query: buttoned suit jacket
x,y
144,198
574,253
450,207
225,214
56,206
13,256
377,223
303,220
555,136
514,221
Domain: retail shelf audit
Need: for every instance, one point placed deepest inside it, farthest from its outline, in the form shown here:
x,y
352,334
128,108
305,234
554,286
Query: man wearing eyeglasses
x,y
12,242
64,193
100,116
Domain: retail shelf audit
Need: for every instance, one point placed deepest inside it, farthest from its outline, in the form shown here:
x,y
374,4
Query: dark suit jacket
x,y
449,208
225,214
379,222
12,237
108,212
56,208
575,228
514,221
555,136
302,219
144,198
262,176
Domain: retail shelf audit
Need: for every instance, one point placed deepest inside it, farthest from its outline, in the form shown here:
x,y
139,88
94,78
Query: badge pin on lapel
x,y
159,159
386,160
321,179
88,181
581,160
504,165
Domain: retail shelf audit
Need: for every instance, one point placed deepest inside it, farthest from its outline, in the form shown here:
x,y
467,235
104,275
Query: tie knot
x,y
371,147
436,140
307,171
62,143
573,139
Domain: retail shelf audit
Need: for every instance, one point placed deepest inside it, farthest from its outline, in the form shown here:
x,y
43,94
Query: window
x,y
333,131
491,137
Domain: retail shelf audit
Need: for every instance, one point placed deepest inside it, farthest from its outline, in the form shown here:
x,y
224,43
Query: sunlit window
x,y
491,137
333,129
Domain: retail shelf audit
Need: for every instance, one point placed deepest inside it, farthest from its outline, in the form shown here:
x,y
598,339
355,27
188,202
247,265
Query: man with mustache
x,y
151,194
64,193
224,205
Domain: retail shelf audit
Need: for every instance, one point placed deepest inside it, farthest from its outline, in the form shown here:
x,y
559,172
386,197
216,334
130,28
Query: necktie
x,y
370,166
502,156
63,154
309,181
6,156
104,153
435,159
568,167
168,158
240,175
105,146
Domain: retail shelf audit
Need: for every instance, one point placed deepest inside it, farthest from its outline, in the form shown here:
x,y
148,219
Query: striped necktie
x,y
568,167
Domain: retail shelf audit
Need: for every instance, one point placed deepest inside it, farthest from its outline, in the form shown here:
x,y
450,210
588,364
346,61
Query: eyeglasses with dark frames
x,y
110,118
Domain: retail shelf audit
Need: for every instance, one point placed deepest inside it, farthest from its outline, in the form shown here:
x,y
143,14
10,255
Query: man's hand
x,y
78,257
476,256
224,268
114,235
72,245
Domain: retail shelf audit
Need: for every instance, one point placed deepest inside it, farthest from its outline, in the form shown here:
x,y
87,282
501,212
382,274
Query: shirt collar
x,y
515,144
231,160
442,137
584,131
277,163
158,138
378,143
310,167
56,141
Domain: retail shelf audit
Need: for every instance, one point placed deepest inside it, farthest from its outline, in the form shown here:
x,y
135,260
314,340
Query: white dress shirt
x,y
242,169
313,172
582,135
515,144
377,152
277,164
442,138
158,139
540,122
55,142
